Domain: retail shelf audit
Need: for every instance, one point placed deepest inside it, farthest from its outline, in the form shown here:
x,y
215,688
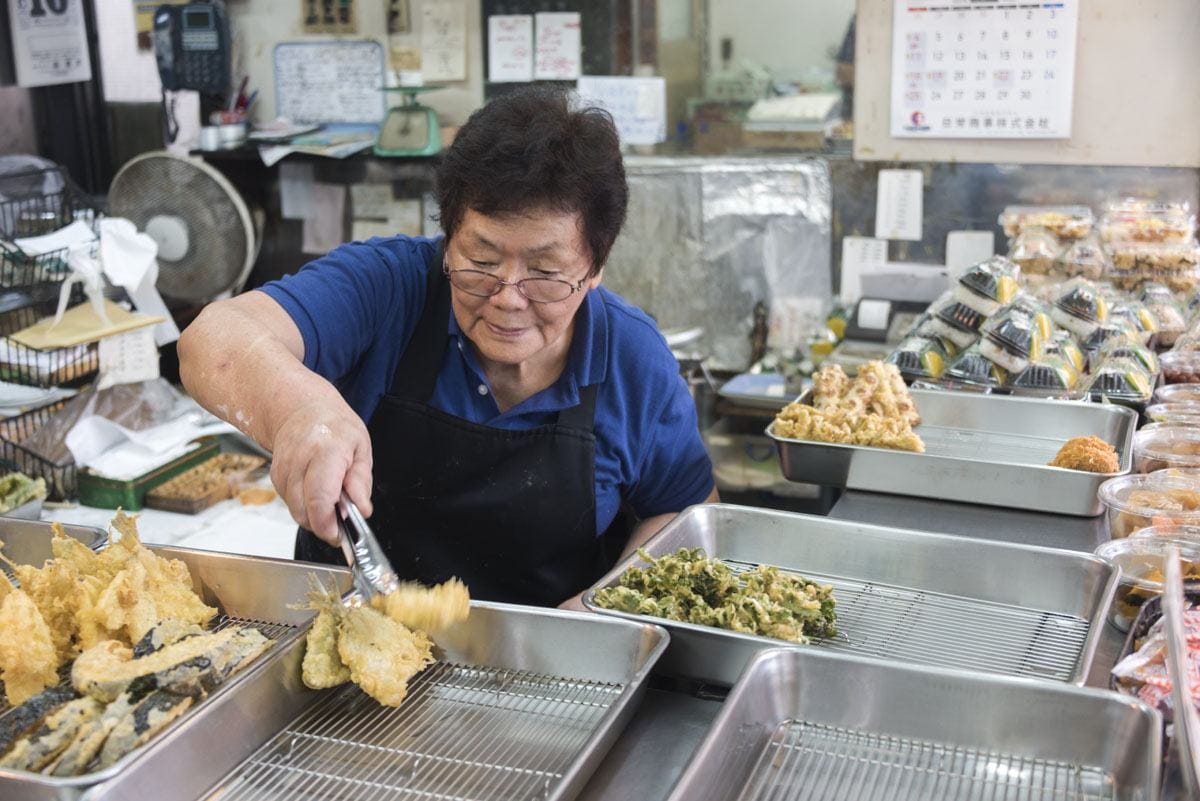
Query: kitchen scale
x,y
409,129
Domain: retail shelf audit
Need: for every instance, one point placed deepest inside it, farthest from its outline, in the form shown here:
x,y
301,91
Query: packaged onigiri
x,y
1062,343
988,285
1139,316
1049,373
1085,258
1011,340
1112,331
973,368
919,357
1121,380
1139,353
1171,321
958,323
1079,307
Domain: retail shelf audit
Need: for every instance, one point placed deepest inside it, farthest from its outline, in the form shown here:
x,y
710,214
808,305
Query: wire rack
x,y
826,763
463,733
62,478
928,628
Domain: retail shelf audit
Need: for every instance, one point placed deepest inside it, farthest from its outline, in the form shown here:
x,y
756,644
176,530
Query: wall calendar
x,y
994,69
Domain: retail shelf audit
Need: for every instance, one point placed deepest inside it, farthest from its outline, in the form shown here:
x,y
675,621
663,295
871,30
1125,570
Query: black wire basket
x,y
61,478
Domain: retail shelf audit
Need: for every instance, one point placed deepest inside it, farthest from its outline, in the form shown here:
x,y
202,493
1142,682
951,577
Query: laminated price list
x,y
998,70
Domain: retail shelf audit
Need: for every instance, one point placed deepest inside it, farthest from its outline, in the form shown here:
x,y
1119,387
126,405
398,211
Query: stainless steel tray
x,y
523,703
825,727
926,599
27,542
985,449
245,590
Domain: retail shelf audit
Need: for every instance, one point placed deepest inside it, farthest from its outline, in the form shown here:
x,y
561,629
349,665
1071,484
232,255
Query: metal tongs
x,y
372,572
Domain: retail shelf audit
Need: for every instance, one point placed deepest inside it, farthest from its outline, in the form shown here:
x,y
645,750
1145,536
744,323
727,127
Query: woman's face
x,y
508,328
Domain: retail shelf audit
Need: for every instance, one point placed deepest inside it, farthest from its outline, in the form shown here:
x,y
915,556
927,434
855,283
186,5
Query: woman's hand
x,y
318,450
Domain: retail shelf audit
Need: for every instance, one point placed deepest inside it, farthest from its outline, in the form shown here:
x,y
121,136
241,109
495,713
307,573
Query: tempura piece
x,y
322,667
28,660
56,591
382,654
1090,454
426,608
56,733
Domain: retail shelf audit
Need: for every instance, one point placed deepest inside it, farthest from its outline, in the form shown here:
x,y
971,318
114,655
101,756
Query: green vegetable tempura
x,y
690,587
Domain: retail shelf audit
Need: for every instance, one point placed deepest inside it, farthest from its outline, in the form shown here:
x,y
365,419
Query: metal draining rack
x,y
272,631
826,763
927,628
464,732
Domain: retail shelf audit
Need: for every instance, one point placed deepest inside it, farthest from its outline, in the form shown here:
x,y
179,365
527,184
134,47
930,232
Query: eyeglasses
x,y
536,290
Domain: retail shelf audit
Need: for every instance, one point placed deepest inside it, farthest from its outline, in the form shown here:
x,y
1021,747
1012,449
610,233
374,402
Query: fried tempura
x,y
28,659
322,666
382,654
426,608
1090,454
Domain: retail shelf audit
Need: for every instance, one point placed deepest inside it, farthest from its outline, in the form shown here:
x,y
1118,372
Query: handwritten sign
x,y
557,53
444,41
510,48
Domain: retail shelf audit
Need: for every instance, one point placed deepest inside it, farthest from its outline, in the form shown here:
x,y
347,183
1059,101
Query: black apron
x,y
511,513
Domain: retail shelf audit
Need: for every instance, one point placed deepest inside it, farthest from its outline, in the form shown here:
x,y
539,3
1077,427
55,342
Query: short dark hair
x,y
529,149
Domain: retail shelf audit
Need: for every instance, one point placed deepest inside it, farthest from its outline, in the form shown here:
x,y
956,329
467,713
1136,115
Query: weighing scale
x,y
409,129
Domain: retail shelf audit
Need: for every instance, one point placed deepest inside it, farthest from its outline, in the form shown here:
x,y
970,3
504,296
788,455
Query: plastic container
x,y
1011,340
1180,367
1049,374
920,358
1171,530
1035,251
987,286
1063,343
1080,308
1177,393
1171,447
958,323
1134,502
1172,323
1067,222
1138,317
1121,380
1175,413
1188,342
1086,258
1110,334
1147,221
1143,565
974,369
1118,349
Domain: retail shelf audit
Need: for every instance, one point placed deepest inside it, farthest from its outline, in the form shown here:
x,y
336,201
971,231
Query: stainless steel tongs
x,y
372,572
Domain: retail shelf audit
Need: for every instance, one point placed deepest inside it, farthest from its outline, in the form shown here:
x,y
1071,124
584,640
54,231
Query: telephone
x,y
191,46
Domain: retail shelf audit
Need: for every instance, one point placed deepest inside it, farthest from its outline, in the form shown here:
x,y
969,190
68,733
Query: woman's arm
x,y
242,359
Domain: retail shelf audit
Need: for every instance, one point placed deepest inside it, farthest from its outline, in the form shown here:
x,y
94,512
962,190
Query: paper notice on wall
x,y
404,216
638,105
370,201
362,230
898,205
557,49
860,254
431,224
510,48
49,42
965,248
444,41
295,189
128,358
323,230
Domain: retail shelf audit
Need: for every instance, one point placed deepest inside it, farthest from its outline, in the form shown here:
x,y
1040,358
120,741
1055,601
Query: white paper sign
x,y
443,41
558,46
874,314
370,201
49,42
128,358
964,248
295,189
510,48
898,205
638,105
981,69
860,254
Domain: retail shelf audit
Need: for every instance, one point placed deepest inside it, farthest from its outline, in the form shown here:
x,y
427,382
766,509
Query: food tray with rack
x,y
61,478
909,596
245,590
982,449
522,703
825,727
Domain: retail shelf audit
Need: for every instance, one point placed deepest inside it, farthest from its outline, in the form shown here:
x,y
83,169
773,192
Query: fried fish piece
x,y
1090,454
20,721
75,759
28,659
150,716
381,653
323,667
426,608
55,734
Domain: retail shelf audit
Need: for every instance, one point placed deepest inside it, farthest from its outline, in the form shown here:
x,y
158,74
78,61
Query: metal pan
x,y
983,449
523,703
926,599
244,589
27,542
825,727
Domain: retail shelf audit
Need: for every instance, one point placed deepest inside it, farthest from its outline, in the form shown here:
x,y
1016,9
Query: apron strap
x,y
417,371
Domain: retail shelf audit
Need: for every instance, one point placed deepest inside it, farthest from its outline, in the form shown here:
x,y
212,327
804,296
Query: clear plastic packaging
x,y
1035,250
1063,343
1109,333
1131,350
1164,448
1138,315
1139,220
958,323
1047,374
1134,502
1170,263
1184,532
1121,380
1188,342
1171,321
988,285
1066,222
1142,561
1011,340
974,369
1180,367
1079,307
1183,412
1086,258
920,358
1178,393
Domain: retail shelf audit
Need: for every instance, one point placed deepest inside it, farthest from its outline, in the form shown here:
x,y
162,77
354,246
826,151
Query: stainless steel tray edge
x,y
712,773
718,656
926,475
25,786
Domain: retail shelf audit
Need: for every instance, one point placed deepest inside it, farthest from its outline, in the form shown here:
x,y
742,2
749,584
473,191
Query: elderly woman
x,y
499,415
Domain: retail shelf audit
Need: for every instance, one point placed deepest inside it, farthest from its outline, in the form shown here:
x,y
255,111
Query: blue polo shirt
x,y
358,306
